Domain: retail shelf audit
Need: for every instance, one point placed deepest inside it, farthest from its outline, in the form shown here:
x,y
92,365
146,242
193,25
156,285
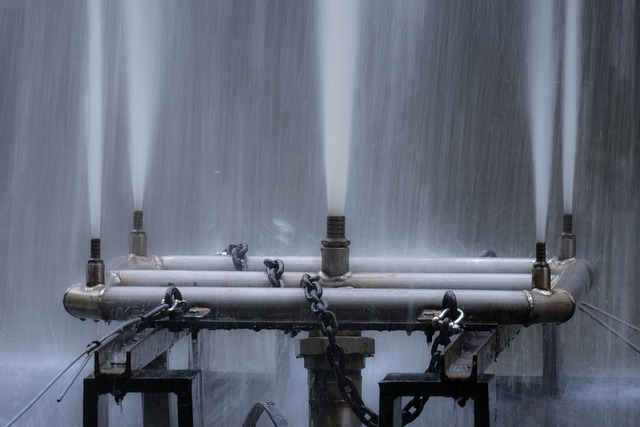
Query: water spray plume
x,y
338,38
542,99
141,72
94,109
572,72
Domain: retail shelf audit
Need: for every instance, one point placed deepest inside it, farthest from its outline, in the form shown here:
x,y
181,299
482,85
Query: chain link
x,y
238,253
447,327
336,357
275,269
335,353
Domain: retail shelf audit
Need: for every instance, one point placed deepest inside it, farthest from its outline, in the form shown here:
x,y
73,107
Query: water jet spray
x,y
571,82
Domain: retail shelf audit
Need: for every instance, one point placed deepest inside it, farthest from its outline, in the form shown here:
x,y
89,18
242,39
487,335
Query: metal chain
x,y
337,360
334,351
413,409
447,323
275,269
447,327
238,253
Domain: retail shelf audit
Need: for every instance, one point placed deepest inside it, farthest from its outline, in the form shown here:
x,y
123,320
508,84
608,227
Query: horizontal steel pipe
x,y
355,308
255,279
263,305
312,264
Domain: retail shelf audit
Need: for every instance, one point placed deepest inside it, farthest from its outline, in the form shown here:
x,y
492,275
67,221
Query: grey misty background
x,y
439,165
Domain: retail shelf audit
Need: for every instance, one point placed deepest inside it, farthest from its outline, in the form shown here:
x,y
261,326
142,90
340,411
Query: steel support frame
x,y
471,352
136,362
552,374
185,384
394,386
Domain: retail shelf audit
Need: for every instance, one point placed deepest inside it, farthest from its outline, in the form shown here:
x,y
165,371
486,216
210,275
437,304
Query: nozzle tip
x,y
541,252
336,227
137,220
95,248
567,223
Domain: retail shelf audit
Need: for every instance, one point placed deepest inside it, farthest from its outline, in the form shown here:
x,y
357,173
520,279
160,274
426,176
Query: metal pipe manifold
x,y
357,309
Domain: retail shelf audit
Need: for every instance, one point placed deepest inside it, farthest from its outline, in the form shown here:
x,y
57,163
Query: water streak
x,y
572,72
95,125
142,81
542,100
338,39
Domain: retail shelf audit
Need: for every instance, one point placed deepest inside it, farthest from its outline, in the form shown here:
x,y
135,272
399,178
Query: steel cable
x,y
610,329
94,346
611,316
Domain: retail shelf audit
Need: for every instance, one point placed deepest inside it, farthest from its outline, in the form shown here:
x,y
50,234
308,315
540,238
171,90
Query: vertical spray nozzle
x,y
95,266
95,248
137,220
567,223
137,236
335,248
541,273
567,240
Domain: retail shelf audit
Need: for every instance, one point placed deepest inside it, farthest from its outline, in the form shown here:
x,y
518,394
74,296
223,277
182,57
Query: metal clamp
x,y
449,304
173,298
454,327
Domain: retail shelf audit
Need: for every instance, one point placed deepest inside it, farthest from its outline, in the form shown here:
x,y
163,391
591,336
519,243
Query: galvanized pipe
x,y
357,309
254,279
312,264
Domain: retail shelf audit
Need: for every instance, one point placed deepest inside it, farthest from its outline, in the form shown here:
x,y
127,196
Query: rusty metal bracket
x,y
133,350
185,384
470,353
394,386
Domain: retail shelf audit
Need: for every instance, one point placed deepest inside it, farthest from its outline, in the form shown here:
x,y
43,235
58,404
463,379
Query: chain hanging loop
x,y
275,270
238,257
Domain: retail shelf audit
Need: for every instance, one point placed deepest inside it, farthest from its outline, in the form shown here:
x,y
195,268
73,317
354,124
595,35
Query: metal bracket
x,y
185,384
470,353
133,350
394,386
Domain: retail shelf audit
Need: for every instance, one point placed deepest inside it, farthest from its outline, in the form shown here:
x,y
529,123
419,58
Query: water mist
x,y
94,109
572,71
541,67
142,79
337,27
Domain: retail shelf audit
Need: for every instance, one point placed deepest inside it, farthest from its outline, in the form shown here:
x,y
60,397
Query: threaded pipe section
x,y
567,223
137,220
95,248
336,227
541,252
